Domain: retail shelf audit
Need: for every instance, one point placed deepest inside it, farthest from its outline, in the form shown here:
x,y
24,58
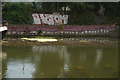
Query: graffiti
x,y
50,19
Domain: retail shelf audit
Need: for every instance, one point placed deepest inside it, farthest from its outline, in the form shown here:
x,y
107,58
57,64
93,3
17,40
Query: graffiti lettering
x,y
50,19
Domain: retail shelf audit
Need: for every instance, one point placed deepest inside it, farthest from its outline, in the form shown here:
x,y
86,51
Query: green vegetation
x,y
17,13
80,13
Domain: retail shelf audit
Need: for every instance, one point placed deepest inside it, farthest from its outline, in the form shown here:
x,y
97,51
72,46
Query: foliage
x,y
81,13
17,13
60,26
113,12
83,19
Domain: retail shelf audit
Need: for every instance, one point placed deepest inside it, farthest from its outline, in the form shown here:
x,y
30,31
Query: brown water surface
x,y
60,61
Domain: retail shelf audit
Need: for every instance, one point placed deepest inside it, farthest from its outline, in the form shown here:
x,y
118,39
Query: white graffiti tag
x,y
50,19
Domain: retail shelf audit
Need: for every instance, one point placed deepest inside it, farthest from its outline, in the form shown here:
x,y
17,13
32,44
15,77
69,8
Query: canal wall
x,y
66,30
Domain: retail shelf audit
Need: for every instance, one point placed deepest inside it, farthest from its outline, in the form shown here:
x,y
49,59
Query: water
x,y
60,61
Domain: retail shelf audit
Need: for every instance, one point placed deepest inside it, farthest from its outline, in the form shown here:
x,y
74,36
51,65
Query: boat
x,y
3,31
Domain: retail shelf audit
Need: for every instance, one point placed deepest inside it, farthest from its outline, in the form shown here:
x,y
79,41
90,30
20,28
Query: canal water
x,y
60,61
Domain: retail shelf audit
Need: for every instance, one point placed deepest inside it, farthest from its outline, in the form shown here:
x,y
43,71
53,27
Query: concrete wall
x,y
66,30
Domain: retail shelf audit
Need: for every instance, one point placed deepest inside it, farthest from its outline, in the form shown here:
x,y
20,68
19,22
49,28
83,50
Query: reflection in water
x,y
98,57
62,53
66,61
51,49
88,39
20,69
53,61
82,57
3,55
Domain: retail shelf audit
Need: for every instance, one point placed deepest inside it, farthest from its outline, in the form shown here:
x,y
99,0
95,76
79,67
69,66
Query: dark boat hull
x,y
2,34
